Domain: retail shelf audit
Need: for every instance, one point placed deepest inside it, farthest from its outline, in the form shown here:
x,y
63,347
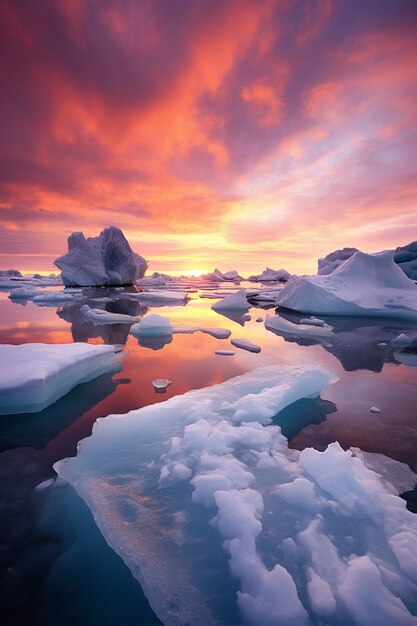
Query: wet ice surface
x,y
372,372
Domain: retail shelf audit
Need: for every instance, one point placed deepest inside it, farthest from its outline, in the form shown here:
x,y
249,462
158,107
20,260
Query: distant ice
x,y
364,285
235,302
334,259
106,259
245,344
406,258
218,333
270,275
10,273
38,374
157,297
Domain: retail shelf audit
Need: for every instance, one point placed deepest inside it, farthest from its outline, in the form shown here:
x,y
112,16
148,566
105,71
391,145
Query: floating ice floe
x,y
98,316
37,374
224,352
157,298
364,285
152,325
53,297
24,293
233,467
218,333
310,537
270,275
245,344
235,302
285,327
106,259
160,385
10,273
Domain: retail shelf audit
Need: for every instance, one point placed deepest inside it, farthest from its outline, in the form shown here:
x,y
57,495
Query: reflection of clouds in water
x,y
358,342
106,300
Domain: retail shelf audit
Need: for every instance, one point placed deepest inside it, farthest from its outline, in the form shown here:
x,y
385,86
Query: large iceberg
x,y
365,284
37,374
185,489
106,259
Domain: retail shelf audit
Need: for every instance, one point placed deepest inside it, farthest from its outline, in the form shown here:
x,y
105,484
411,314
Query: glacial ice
x,y
103,260
235,302
310,537
270,275
37,374
365,285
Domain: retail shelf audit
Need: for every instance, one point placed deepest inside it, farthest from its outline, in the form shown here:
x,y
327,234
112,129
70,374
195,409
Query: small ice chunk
x,y
381,344
236,301
374,409
153,325
160,385
245,344
224,352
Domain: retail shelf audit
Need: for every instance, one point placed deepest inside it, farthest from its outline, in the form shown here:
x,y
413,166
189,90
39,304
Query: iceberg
x,y
10,273
270,275
235,302
364,285
186,488
157,298
103,260
152,326
38,374
334,259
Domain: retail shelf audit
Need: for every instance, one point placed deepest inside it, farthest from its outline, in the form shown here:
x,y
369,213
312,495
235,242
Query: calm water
x,y
55,566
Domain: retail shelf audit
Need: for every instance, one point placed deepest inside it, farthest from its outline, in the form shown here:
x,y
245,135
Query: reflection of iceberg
x,y
154,343
83,329
235,316
36,430
407,356
358,343
290,523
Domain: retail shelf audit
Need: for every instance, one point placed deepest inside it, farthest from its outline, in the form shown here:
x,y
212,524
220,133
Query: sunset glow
x,y
235,134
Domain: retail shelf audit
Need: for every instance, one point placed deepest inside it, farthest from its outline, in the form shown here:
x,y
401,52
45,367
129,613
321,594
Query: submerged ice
x,y
310,537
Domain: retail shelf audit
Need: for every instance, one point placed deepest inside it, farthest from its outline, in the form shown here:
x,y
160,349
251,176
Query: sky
x,y
235,134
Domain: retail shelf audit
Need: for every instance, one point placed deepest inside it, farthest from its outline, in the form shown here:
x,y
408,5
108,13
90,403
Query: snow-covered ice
x,y
37,374
106,259
99,316
161,384
235,302
310,537
157,298
365,285
152,325
245,344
